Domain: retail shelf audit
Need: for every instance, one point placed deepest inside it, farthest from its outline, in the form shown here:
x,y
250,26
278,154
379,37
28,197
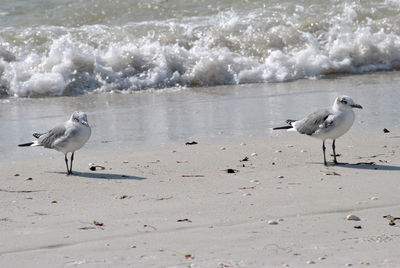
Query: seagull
x,y
328,123
66,138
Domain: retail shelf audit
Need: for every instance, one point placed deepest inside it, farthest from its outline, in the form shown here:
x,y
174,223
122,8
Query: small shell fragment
x,y
272,222
254,154
352,217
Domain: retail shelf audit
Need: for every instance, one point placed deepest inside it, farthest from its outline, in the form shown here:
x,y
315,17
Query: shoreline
x,y
204,114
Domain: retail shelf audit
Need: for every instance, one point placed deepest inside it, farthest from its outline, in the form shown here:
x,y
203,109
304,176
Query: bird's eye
x,y
343,101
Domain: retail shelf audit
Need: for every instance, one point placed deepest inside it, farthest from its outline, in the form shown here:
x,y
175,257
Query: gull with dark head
x,y
66,138
329,123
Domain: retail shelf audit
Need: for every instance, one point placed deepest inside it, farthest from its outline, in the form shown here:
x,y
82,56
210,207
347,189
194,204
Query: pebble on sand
x,y
352,217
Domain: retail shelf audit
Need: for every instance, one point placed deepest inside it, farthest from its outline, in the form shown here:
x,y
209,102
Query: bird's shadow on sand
x,y
367,166
104,176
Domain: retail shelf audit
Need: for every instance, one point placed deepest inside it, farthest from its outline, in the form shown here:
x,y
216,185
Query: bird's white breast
x,y
341,123
76,136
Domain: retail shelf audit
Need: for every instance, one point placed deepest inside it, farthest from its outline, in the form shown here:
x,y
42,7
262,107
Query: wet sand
x,y
205,114
161,203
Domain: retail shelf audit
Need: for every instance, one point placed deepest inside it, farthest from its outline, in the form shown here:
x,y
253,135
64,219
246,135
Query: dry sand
x,y
176,205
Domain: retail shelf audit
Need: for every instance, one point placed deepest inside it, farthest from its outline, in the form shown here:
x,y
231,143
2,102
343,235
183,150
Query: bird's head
x,y
345,102
80,117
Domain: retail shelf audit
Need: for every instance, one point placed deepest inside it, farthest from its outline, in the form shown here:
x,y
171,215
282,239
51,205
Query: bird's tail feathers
x,y
37,135
26,144
284,127
289,122
32,143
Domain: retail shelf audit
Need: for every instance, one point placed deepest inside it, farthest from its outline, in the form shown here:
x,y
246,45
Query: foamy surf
x,y
234,44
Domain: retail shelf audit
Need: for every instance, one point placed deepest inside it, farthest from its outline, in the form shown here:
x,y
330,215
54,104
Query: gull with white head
x,y
66,138
328,123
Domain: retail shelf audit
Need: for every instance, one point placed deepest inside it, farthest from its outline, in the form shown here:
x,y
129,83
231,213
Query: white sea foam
x,y
281,42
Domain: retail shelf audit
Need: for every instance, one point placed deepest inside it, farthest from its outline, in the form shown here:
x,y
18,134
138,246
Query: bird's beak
x,y
85,123
356,106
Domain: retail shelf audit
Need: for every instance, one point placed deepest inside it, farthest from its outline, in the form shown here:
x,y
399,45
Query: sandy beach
x,y
177,206
153,76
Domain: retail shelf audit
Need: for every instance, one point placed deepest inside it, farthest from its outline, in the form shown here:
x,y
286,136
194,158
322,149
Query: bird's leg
x,y
72,159
323,150
66,163
334,152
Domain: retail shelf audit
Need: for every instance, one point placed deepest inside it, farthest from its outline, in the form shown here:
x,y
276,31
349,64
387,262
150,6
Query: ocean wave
x,y
280,43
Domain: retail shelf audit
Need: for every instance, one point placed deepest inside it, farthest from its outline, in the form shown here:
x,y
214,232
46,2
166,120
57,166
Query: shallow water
x,y
121,121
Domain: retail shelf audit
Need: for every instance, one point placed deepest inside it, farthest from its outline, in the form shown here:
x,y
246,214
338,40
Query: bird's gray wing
x,y
47,140
315,121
